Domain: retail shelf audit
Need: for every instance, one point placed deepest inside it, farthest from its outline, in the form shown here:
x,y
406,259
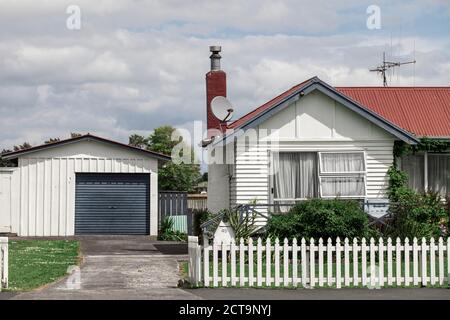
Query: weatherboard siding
x,y
251,180
45,185
315,123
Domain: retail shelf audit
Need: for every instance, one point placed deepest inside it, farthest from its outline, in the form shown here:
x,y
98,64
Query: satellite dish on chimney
x,y
221,108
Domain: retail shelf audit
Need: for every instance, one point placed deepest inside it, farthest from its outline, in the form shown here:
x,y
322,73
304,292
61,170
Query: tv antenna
x,y
386,65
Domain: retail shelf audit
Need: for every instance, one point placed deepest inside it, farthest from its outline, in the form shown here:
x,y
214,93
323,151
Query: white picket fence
x,y
320,263
3,262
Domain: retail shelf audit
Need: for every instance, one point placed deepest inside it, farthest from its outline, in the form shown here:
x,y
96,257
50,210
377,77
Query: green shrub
x,y
244,226
168,234
417,214
414,214
321,218
199,216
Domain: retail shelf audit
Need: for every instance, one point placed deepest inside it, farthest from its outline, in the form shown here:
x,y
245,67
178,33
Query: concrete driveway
x,y
121,267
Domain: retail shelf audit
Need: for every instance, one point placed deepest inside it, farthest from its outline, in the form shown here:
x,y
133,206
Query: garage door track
x,y
121,268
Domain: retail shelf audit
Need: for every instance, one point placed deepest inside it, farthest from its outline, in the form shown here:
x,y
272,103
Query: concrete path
x,y
112,270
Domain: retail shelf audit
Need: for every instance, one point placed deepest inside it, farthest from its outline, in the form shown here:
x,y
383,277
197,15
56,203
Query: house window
x,y
428,171
295,176
414,167
342,174
304,175
439,173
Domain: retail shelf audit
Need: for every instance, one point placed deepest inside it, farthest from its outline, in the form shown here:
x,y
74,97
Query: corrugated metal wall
x,y
47,190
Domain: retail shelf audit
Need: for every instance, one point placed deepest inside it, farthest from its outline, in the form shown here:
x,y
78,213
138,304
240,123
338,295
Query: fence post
x,y
312,263
194,260
415,262
363,262
346,262
381,262
398,260
372,263
268,262
259,262
206,261
250,262
338,263
424,262
390,277
215,263
304,262
448,261
355,262
223,248
286,262
241,263
4,262
406,272
233,262
321,277
277,262
294,263
441,261
432,262
329,262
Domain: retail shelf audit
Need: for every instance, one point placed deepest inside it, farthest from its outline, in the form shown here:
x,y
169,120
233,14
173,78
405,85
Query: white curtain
x,y
439,173
342,186
413,165
342,162
295,175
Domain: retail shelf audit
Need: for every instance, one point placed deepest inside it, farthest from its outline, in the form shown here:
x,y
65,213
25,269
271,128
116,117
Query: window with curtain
x,y
342,174
414,166
299,175
439,173
295,176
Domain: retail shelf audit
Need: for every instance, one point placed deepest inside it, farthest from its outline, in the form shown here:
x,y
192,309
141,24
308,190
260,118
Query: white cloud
x,y
136,65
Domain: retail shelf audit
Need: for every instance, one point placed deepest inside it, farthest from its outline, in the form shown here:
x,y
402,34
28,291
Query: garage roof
x,y
16,154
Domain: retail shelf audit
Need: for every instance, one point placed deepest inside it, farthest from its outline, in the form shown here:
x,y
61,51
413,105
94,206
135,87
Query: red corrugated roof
x,y
269,104
422,111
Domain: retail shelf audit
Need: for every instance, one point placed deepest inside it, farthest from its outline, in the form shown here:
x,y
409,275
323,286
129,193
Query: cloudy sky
x,y
137,64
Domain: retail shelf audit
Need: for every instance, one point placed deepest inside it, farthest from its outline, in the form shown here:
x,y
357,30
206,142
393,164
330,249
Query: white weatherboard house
x,y
325,142
83,185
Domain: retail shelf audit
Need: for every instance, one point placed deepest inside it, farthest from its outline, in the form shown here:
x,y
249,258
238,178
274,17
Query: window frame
x,y
425,155
272,198
425,167
343,174
356,174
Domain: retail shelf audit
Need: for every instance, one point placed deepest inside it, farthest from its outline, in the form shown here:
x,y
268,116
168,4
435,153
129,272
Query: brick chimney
x,y
216,85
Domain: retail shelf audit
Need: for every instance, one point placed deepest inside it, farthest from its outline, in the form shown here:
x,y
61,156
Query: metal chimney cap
x,y
215,49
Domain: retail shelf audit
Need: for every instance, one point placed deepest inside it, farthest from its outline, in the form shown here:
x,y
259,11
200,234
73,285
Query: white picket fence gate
x,y
371,263
3,262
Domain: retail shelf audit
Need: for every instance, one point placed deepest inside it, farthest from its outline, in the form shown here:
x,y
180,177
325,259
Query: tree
x,y
3,162
138,141
172,176
9,163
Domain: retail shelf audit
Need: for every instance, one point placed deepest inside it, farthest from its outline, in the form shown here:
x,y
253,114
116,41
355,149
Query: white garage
x,y
83,185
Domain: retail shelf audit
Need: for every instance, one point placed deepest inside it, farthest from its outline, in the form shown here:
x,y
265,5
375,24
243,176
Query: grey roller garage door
x,y
112,203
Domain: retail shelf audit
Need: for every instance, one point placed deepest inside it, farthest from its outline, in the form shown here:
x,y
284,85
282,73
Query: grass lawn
x,y
33,263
